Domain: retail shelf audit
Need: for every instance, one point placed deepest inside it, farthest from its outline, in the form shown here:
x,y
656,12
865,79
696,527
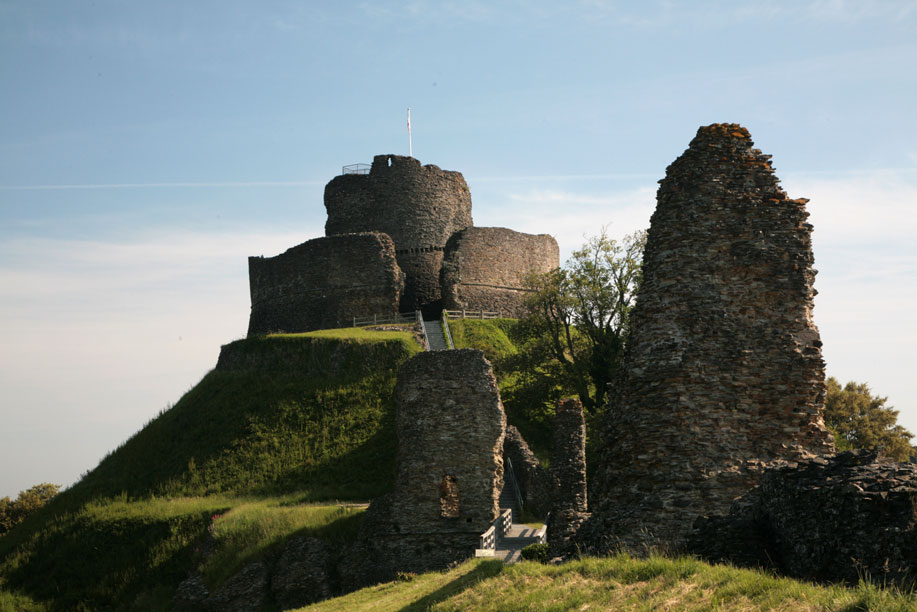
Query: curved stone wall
x,y
324,283
724,370
483,268
420,207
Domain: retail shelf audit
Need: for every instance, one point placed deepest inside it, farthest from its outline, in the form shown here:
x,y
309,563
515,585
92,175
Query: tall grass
x,y
613,583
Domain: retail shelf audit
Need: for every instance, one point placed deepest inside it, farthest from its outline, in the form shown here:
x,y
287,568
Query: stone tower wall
x,y
420,207
450,425
724,368
568,456
324,283
483,268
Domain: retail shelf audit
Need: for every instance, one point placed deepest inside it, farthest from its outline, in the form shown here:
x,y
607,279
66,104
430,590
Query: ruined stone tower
x,y
724,369
420,207
398,239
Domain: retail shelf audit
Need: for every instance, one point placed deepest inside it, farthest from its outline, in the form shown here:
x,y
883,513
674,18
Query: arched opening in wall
x,y
449,497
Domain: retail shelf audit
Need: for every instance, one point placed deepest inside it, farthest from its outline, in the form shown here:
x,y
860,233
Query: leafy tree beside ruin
x,y
578,317
859,419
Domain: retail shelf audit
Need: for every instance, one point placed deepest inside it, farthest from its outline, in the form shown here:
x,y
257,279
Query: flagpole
x,y
410,144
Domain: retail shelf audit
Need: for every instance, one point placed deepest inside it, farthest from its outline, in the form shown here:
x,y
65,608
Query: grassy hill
x,y
237,465
303,416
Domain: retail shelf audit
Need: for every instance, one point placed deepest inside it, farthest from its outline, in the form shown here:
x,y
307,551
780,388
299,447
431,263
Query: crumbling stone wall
x,y
483,268
724,369
568,456
568,470
420,207
324,283
835,519
450,425
533,479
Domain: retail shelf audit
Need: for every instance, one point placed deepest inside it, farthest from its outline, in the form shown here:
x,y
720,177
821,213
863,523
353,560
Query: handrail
x,y
512,474
449,344
472,314
383,320
506,522
488,539
423,330
356,169
542,533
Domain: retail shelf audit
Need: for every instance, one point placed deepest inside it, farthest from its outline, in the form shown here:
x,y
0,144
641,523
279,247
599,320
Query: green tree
x,y
578,316
13,512
859,419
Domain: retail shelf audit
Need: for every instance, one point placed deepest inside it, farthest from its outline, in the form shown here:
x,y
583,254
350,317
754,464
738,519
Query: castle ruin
x,y
398,239
724,369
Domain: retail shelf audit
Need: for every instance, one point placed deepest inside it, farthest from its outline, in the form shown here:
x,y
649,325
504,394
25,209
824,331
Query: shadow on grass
x,y
486,569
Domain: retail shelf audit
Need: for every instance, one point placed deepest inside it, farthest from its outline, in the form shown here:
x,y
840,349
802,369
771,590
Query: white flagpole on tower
x,y
410,144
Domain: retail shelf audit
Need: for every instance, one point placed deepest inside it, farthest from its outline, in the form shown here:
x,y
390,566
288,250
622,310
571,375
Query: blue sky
x,y
146,149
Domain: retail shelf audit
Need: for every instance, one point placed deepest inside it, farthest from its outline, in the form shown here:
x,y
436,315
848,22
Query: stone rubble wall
x,y
420,207
534,480
569,507
484,267
568,456
724,369
324,283
450,425
835,519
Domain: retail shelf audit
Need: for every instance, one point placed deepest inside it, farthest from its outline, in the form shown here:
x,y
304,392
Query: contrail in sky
x,y
146,185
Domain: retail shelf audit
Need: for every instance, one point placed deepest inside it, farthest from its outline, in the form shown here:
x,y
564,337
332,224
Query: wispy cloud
x,y
221,184
122,328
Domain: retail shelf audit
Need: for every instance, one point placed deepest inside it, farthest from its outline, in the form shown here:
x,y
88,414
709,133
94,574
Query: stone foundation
x,y
836,519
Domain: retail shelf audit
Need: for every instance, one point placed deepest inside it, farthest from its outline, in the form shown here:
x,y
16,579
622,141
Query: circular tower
x,y
420,207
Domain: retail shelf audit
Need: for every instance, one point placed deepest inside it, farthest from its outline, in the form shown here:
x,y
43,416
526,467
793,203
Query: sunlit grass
x,y
251,528
615,583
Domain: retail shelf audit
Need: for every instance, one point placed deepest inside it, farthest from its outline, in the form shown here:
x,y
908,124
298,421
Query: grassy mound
x,y
528,394
122,555
614,583
308,415
306,412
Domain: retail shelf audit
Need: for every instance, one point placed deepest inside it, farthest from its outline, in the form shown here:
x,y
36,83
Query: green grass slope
x,y
613,583
131,555
306,412
304,415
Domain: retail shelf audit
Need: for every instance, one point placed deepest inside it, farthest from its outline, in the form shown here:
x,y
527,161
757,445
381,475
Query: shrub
x,y
536,552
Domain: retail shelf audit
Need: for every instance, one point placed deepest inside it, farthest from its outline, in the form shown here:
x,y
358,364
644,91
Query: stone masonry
x,y
834,519
324,283
533,479
420,207
484,268
724,369
568,470
450,425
